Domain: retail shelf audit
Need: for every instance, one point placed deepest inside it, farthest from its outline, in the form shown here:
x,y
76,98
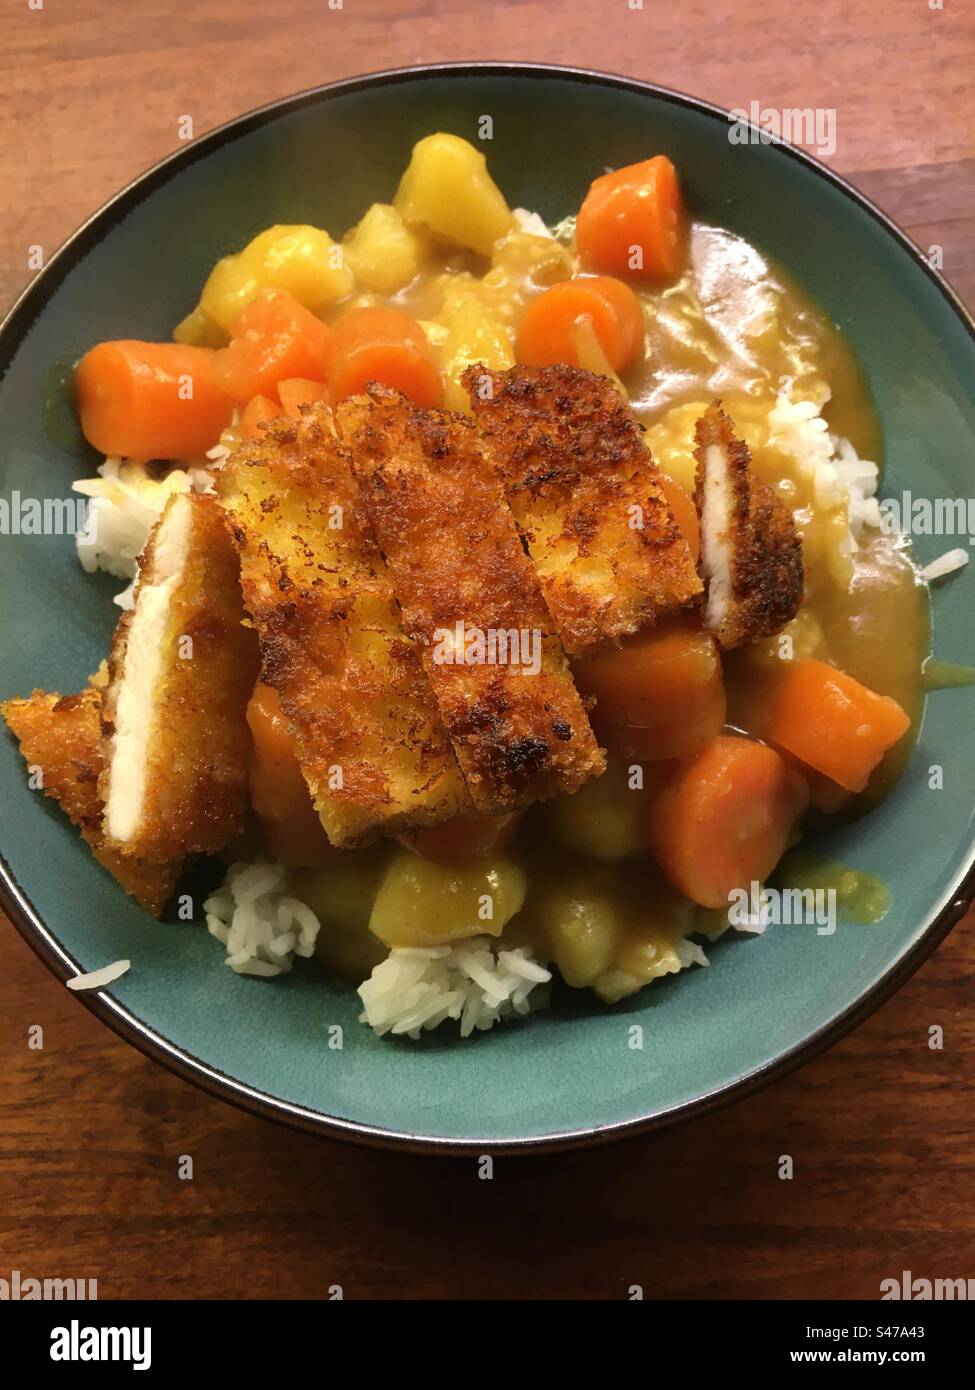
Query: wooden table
x,y
879,1128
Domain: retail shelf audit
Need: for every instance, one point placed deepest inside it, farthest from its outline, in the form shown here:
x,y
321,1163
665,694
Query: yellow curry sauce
x,y
576,881
572,878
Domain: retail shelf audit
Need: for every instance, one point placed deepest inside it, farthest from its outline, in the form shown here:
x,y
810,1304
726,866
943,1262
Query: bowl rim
x,y
954,901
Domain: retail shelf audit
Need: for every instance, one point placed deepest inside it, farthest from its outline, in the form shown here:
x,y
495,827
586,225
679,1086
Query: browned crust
x,y
197,758
578,476
350,681
61,735
438,510
766,565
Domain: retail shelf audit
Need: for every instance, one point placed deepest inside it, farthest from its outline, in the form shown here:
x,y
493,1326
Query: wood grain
x,y
879,1129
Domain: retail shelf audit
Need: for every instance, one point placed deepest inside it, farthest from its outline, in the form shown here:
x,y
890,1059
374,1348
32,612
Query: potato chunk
x,y
611,936
303,260
474,334
420,903
341,893
652,944
604,819
582,927
383,253
448,189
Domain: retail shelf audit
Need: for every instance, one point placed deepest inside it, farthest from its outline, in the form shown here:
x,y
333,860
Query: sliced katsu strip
x,y
586,495
751,557
470,598
61,735
181,669
368,736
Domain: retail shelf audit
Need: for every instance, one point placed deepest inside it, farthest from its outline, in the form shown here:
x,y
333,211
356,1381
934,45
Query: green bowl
x,y
569,1075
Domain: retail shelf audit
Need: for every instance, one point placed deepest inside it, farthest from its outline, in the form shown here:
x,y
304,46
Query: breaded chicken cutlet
x,y
61,735
181,670
368,736
586,495
751,557
470,597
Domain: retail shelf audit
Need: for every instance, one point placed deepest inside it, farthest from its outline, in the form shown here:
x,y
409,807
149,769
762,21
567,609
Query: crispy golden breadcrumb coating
x,y
369,739
181,670
62,736
751,556
462,579
586,495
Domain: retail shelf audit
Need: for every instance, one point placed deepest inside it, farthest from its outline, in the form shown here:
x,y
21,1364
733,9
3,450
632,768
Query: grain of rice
x,y
98,979
520,963
532,222
946,564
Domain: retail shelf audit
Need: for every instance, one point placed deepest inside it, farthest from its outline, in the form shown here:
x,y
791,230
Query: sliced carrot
x,y
833,723
384,345
279,795
724,819
659,694
150,400
462,840
297,391
632,222
256,411
548,328
274,339
681,503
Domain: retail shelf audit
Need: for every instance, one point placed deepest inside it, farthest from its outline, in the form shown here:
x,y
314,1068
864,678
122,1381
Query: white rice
x,y
98,979
476,982
532,222
946,564
126,502
261,925
690,953
839,476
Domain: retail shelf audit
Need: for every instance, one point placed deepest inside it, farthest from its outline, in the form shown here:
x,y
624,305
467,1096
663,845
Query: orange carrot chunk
x,y
830,721
297,391
462,840
724,819
384,345
632,222
279,794
150,400
255,412
275,338
659,694
548,332
681,503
